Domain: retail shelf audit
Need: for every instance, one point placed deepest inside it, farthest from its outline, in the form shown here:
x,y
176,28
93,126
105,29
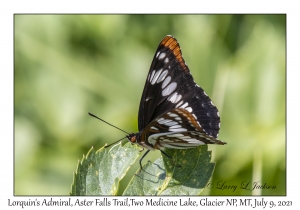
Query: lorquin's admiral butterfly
x,y
174,111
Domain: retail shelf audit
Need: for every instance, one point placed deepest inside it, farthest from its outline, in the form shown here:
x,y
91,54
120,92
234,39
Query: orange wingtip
x,y
171,43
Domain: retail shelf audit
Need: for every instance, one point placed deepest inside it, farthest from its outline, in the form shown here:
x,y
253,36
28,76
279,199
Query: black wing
x,y
170,85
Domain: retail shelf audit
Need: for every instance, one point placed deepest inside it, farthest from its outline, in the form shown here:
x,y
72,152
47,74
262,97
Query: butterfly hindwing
x,y
177,128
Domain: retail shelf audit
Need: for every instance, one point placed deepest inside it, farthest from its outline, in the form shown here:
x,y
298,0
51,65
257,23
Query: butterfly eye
x,y
133,139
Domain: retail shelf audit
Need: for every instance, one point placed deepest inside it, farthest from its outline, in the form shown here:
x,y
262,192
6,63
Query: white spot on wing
x,y
178,129
195,141
189,109
163,121
166,60
166,81
178,118
157,54
184,105
178,98
162,76
195,117
185,138
161,56
177,105
171,123
174,98
160,119
175,126
171,114
169,89
155,77
153,72
165,140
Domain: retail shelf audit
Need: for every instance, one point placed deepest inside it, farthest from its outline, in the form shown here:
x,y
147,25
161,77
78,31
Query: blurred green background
x,y
69,65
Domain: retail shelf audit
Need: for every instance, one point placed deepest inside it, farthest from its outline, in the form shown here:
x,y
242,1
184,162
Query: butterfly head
x,y
133,137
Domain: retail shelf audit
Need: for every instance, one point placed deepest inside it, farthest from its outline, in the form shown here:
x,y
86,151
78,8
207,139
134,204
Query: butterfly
x,y
174,111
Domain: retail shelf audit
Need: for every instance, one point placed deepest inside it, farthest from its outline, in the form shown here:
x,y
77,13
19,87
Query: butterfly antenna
x,y
108,123
114,142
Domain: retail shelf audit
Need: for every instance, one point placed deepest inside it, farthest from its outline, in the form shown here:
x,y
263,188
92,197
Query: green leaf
x,y
99,173
186,174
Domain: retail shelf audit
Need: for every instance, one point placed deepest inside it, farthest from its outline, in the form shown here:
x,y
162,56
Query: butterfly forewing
x,y
165,77
170,85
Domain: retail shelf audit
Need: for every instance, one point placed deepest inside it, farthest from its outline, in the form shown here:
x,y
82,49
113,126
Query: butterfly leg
x,y
141,167
168,156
